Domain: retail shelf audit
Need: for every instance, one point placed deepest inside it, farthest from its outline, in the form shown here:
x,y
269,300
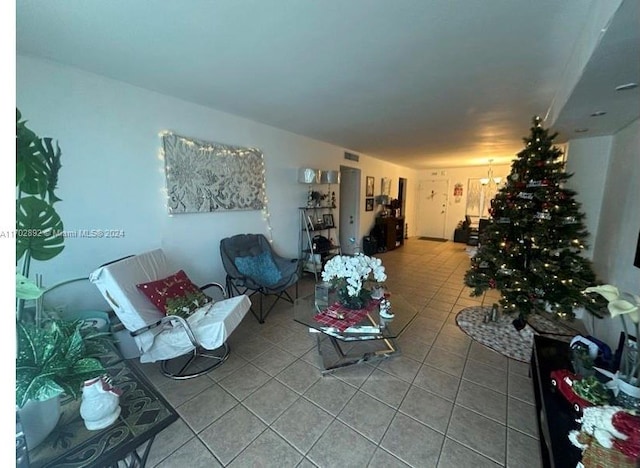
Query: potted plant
x,y
625,383
38,225
51,360
55,357
348,275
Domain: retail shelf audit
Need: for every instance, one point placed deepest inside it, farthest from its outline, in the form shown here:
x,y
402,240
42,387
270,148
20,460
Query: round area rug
x,y
501,335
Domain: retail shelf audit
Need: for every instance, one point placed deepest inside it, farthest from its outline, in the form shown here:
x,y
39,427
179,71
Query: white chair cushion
x,y
117,283
211,324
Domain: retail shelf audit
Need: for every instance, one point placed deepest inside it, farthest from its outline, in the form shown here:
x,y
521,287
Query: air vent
x,y
351,156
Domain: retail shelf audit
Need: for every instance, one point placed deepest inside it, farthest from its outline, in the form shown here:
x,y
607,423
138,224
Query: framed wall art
x,y
327,220
203,176
368,206
370,186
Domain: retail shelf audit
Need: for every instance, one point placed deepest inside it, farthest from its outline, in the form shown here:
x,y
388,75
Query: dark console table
x,y
555,415
144,414
391,232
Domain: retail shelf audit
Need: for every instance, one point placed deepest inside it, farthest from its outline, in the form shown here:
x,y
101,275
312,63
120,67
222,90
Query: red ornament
x,y
492,283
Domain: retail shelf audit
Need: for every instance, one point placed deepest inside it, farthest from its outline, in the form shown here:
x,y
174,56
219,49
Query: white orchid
x,y
622,308
617,306
354,270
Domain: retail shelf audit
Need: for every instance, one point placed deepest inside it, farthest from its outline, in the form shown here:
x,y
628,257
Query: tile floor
x,y
445,402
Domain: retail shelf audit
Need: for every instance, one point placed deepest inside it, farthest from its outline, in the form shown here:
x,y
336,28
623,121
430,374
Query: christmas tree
x,y
531,248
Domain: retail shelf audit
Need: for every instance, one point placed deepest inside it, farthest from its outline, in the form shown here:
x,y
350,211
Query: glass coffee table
x,y
361,338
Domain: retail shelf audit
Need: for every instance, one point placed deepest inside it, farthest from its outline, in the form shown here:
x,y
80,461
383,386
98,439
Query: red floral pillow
x,y
174,295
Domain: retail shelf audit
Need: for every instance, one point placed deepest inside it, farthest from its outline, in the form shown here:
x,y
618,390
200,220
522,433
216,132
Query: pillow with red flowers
x,y
174,295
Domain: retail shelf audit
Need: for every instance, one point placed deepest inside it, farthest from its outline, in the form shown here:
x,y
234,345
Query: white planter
x,y
38,419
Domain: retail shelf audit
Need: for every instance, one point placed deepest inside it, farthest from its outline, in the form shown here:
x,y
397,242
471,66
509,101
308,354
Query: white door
x,y
349,209
432,208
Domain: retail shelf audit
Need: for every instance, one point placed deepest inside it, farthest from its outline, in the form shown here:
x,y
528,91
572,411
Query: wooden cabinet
x,y
391,232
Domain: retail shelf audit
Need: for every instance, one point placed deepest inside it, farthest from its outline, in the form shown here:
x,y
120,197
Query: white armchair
x,y
178,342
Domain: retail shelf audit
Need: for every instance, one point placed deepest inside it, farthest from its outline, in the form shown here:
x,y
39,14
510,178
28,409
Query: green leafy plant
x,y
56,359
38,225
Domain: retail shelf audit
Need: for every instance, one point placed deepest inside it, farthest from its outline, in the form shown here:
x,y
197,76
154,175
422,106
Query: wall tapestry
x,y
203,176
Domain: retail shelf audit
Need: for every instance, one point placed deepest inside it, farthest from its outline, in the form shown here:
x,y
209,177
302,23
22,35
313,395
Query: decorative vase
x,y
100,405
38,419
353,302
628,395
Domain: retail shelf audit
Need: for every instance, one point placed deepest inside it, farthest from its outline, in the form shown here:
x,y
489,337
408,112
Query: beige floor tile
x,y
481,434
483,400
367,415
232,433
414,443
302,424
268,450
427,408
341,446
193,454
455,455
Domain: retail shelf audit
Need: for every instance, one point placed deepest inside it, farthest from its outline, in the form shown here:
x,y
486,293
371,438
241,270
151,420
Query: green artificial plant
x,y
38,225
56,359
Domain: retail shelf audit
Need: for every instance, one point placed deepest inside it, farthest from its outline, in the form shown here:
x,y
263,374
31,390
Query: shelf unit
x,y
312,224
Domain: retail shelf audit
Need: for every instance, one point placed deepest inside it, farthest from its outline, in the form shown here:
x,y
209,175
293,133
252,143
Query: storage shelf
x,y
313,260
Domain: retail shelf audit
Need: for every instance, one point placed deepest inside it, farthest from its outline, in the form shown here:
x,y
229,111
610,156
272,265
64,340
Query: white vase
x,y
38,419
100,405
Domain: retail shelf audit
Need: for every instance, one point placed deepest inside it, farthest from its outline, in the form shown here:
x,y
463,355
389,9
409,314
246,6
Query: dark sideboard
x,y
555,415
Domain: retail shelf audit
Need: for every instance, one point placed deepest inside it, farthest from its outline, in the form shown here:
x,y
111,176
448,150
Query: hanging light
x,y
490,177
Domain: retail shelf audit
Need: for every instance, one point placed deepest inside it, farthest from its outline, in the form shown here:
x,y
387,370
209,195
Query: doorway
x,y
349,210
432,208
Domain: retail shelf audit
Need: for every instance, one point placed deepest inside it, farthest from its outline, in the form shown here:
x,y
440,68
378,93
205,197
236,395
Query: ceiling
x,y
420,83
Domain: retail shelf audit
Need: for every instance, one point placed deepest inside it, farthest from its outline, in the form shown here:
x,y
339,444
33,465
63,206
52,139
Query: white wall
x,y
457,210
588,160
619,214
112,177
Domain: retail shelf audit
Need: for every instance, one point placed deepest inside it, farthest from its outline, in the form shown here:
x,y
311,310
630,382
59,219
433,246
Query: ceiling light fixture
x,y
490,178
627,86
598,113
581,130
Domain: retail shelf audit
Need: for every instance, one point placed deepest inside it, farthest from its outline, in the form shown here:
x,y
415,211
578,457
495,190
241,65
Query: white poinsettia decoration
x,y
354,270
619,307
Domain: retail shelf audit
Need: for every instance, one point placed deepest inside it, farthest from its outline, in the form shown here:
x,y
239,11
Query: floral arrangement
x,y
619,307
348,274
